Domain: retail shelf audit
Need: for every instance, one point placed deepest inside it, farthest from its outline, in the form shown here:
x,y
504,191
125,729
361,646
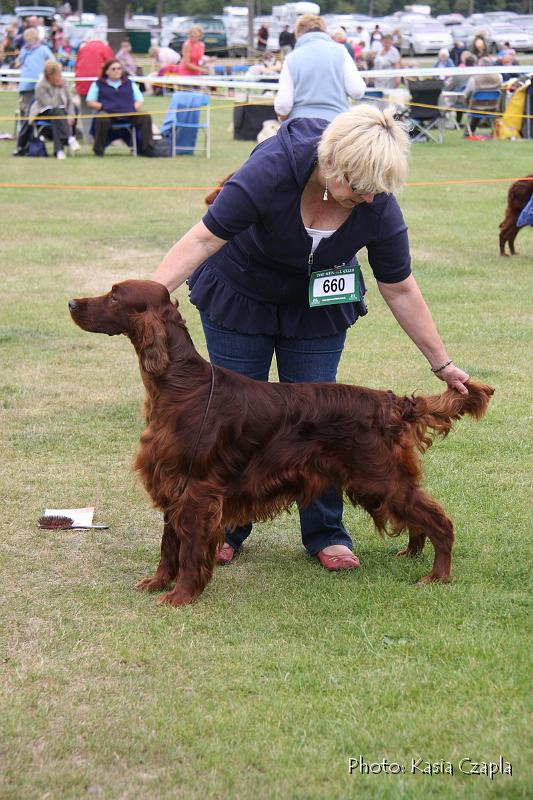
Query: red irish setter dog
x,y
517,197
220,449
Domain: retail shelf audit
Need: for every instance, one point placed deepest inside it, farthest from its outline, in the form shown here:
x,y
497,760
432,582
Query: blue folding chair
x,y
486,101
127,132
188,114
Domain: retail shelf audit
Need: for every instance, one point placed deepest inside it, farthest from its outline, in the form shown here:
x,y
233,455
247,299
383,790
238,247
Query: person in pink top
x,y
193,54
90,58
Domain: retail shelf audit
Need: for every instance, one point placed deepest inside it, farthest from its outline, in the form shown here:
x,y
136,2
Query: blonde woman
x,y
193,54
53,99
303,204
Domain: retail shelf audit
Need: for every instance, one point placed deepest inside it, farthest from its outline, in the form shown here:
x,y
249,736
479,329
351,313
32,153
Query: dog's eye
x,y
114,299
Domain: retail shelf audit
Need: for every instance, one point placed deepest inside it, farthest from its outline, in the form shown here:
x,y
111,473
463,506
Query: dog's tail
x,y
212,196
434,415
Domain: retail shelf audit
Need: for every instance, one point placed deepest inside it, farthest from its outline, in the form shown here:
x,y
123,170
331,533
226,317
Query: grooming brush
x,y
55,522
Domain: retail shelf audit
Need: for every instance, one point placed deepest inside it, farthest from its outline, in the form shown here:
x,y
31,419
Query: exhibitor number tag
x,y
331,286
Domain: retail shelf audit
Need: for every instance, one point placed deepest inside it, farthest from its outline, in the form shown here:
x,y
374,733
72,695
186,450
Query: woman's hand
x,y
455,377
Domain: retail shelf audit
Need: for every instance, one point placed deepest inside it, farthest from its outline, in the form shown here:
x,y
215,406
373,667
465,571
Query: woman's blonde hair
x,y
30,35
368,148
52,69
309,23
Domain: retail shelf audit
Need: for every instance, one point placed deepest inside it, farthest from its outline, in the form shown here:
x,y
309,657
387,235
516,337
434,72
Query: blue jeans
x,y
298,361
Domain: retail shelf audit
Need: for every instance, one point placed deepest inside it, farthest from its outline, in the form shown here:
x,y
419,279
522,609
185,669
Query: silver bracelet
x,y
435,370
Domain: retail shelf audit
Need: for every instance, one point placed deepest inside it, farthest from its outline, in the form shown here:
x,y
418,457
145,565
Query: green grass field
x,y
280,672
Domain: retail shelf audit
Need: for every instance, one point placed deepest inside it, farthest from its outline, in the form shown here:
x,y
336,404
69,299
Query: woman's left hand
x,y
455,377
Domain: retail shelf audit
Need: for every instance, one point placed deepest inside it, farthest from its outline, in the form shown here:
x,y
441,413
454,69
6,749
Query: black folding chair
x,y
426,118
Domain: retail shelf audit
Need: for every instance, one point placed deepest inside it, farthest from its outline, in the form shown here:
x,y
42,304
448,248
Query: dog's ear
x,y
149,336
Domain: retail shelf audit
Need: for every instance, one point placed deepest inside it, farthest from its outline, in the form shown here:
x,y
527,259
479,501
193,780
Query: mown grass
x,y
280,672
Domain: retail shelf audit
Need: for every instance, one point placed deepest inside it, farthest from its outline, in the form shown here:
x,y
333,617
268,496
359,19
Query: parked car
x,y
420,38
215,39
519,39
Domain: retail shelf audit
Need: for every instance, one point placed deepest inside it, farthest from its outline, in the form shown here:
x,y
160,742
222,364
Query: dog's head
x,y
138,309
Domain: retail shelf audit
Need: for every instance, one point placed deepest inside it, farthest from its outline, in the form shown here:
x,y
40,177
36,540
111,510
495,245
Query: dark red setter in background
x,y
220,449
517,197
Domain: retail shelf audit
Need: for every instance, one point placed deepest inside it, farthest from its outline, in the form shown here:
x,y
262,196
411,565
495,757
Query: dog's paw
x,y
152,584
175,598
432,578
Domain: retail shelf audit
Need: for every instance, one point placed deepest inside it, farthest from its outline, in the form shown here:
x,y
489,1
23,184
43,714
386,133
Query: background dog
x,y
517,197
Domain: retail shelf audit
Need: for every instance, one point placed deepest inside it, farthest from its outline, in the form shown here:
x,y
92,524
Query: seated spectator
x,y
267,65
444,60
31,61
125,57
508,60
115,93
482,81
53,99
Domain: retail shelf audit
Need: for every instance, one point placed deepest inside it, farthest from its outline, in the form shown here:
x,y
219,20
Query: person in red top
x,y
193,54
90,58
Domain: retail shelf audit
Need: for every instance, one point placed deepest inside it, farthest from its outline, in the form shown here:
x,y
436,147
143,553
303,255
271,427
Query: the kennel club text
x,y
419,766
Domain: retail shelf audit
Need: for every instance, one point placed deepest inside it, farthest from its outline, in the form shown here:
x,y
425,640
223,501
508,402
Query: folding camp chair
x,y
486,101
188,114
425,116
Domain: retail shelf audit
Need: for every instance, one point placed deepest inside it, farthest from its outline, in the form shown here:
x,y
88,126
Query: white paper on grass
x,y
81,517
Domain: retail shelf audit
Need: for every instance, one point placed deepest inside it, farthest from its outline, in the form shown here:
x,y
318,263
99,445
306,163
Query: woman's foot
x,y
337,556
73,145
225,554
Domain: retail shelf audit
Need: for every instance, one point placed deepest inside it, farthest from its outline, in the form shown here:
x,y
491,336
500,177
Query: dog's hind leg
x,y
415,545
423,516
199,530
167,570
511,237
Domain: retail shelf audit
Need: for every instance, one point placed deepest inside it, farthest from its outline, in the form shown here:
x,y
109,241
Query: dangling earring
x,y
325,197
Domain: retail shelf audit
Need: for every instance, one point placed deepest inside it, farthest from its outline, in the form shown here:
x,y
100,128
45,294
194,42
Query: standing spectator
x,y
363,37
126,58
53,99
31,60
388,58
8,46
479,47
456,51
376,38
318,76
262,37
56,37
193,60
89,61
287,40
115,93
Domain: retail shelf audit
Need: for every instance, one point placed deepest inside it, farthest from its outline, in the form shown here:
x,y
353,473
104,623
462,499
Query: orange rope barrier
x,y
119,188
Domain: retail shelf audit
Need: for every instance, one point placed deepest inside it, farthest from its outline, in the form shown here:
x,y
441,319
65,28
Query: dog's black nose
x,y
72,305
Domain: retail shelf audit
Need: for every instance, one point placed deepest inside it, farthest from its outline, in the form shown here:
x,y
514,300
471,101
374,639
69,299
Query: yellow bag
x,y
508,127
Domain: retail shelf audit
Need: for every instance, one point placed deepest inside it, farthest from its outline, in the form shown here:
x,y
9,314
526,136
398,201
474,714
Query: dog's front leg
x,y
199,531
167,570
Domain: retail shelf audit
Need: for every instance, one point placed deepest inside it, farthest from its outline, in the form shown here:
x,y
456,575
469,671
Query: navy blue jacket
x,y
258,282
116,101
